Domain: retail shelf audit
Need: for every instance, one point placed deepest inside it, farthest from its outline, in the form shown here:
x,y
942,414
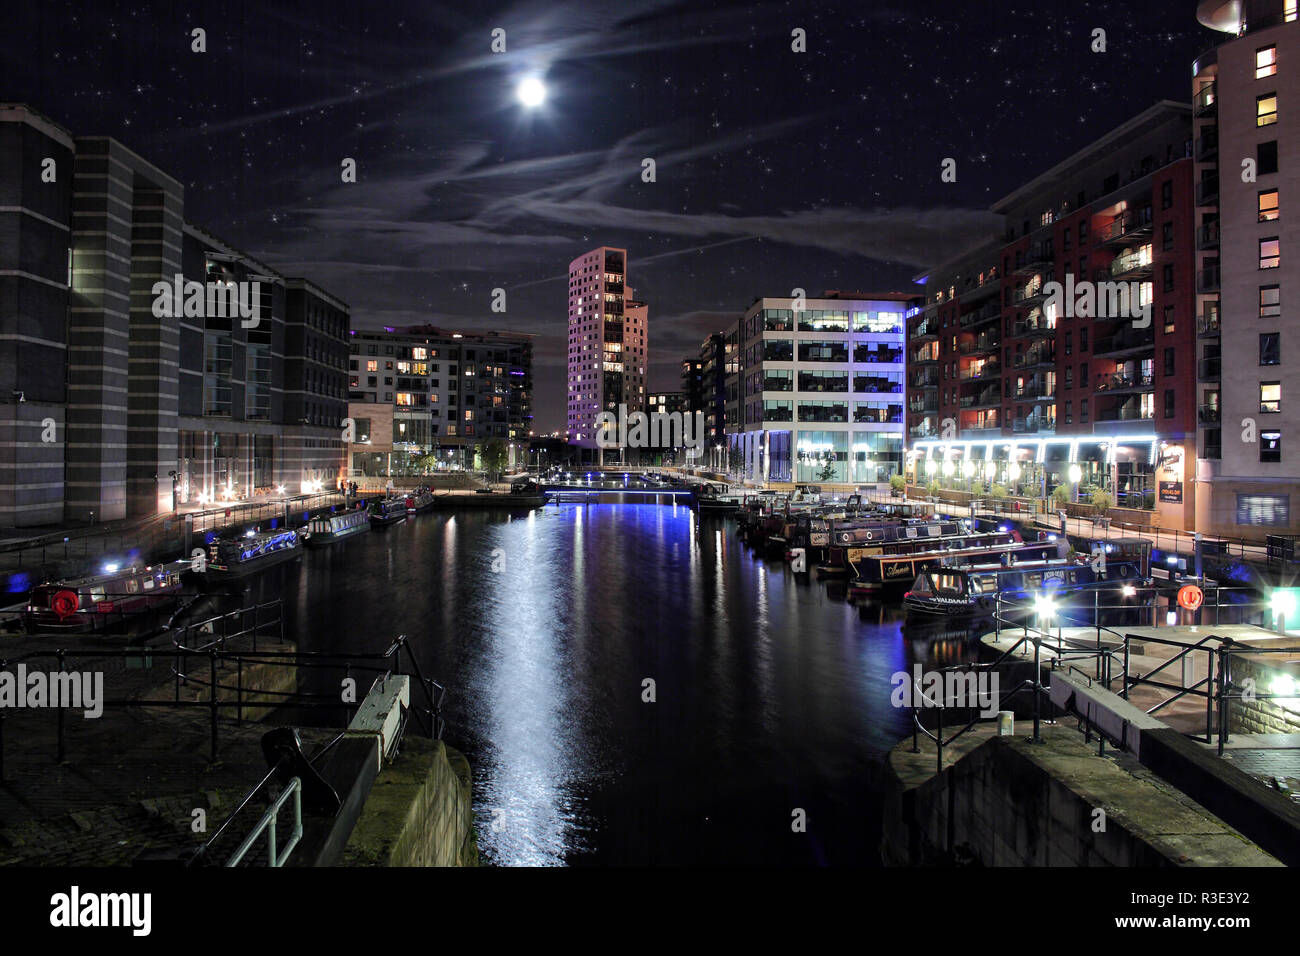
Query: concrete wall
x,y
419,812
1008,802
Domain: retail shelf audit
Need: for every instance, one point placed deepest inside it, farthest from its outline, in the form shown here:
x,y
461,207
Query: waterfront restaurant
x,y
1141,472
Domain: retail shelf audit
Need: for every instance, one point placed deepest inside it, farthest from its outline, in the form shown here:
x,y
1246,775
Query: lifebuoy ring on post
x,y
65,604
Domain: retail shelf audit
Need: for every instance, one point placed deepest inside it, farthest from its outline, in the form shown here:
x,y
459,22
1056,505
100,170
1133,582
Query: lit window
x,y
372,366
1270,253
1266,109
1270,301
1270,397
404,398
1268,208
1265,61
1270,446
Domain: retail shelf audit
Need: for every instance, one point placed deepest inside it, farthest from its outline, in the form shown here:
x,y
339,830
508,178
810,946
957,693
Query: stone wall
x,y
1259,716
419,812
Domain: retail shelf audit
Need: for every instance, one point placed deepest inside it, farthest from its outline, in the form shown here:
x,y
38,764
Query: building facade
x,y
1247,117
1062,353
817,392
448,391
135,380
608,351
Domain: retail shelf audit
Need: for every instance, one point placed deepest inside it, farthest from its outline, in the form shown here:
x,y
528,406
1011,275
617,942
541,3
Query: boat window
x,y
97,593
148,585
1033,579
911,532
984,583
132,586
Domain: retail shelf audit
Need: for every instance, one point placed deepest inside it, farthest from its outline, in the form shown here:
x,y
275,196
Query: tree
x,y
827,472
998,491
494,454
1102,501
1061,495
897,484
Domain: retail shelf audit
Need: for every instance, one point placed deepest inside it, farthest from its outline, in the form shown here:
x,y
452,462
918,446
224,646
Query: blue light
x,y
1171,560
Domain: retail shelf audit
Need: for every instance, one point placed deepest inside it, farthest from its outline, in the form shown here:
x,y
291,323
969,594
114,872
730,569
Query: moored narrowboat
x,y
876,572
420,500
981,590
94,602
387,511
234,557
328,529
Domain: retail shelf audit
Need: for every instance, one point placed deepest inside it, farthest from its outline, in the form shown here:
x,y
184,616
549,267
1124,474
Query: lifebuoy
x,y
65,604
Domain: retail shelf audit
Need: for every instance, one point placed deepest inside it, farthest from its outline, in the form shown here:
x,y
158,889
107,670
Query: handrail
x,y
267,824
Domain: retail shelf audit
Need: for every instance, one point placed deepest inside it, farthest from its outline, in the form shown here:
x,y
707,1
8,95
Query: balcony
x,y
923,430
987,314
1033,328
924,381
1030,294
1206,102
1122,382
1207,237
924,357
990,286
1207,193
1207,145
1126,412
1207,279
1131,225
1036,358
1207,324
1208,414
926,329
1035,260
1135,265
976,373
927,404
984,343
1034,426
1209,369
1035,389
1125,342
988,398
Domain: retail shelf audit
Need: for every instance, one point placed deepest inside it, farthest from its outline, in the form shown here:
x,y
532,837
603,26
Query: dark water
x,y
771,694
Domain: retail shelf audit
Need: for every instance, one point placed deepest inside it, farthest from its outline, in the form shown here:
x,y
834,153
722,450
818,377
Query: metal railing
x,y
267,824
223,697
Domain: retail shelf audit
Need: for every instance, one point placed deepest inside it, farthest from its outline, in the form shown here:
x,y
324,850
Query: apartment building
x,y
1061,353
446,391
112,406
608,349
1247,116
817,391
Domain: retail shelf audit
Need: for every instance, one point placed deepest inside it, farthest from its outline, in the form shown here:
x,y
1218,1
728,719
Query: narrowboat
x,y
94,602
234,557
420,500
975,590
848,544
328,529
876,572
387,511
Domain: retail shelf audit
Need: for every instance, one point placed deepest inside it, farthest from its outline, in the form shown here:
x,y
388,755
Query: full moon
x,y
531,92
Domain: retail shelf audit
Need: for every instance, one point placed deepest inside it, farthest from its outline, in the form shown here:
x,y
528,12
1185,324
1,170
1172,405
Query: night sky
x,y
775,169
